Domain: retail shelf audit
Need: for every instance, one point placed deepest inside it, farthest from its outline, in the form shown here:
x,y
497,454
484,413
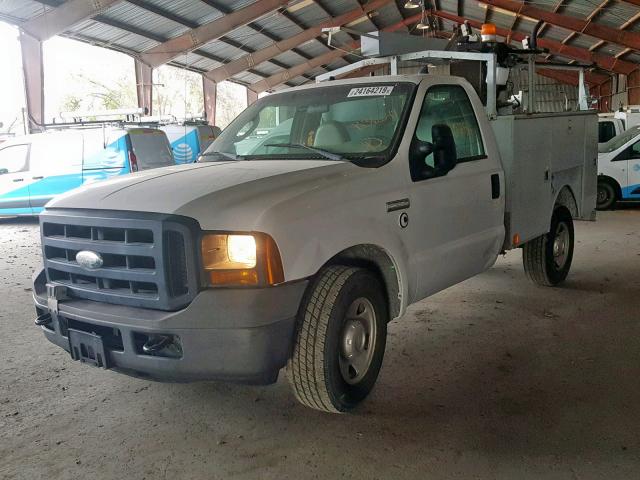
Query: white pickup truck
x,y
368,195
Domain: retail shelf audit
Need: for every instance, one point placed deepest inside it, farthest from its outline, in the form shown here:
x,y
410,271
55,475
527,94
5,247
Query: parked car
x,y
619,169
189,141
36,168
609,127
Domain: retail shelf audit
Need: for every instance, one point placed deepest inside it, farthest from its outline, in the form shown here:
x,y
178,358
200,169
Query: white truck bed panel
x,y
538,165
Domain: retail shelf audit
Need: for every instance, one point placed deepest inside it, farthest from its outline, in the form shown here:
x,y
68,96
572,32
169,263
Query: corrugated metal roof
x,y
134,26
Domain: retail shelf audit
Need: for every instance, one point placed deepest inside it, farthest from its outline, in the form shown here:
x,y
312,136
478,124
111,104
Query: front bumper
x,y
242,335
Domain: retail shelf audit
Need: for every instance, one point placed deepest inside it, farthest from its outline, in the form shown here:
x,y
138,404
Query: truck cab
x,y
296,249
619,169
609,127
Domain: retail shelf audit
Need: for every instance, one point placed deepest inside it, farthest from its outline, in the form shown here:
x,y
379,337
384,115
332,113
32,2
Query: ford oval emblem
x,y
89,260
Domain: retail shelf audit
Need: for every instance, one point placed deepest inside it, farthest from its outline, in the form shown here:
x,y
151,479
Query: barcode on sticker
x,y
370,91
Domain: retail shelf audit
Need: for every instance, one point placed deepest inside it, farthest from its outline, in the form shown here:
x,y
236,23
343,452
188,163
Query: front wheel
x,y
606,196
547,258
340,339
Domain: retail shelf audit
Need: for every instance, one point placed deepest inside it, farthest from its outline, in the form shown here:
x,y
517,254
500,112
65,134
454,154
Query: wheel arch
x,y
378,260
566,198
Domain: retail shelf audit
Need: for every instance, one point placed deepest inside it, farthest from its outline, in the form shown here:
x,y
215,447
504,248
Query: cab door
x,y
14,179
456,217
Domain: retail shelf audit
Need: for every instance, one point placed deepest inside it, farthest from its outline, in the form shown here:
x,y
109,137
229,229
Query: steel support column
x,y
251,96
33,74
210,96
144,86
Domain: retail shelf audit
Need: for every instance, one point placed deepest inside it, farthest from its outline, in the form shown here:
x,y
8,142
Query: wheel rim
x,y
603,196
357,341
561,242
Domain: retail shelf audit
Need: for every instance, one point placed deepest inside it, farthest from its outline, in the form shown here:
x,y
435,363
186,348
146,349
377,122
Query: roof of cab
x,y
415,79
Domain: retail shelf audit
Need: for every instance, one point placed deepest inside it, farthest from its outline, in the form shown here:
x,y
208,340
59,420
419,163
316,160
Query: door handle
x,y
495,186
396,205
18,179
37,178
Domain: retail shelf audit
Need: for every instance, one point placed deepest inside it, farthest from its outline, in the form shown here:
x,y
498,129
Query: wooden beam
x,y
578,25
605,62
281,77
208,32
234,67
57,20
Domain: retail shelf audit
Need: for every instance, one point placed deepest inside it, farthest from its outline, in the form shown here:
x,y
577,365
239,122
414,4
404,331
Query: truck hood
x,y
206,190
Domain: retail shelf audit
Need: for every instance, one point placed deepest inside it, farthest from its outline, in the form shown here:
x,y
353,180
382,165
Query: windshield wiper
x,y
319,151
231,156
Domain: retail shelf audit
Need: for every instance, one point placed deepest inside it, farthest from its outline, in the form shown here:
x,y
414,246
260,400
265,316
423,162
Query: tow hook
x,y
44,319
156,343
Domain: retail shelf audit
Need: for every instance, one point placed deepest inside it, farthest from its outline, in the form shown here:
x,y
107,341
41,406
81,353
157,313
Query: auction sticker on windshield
x,y
370,91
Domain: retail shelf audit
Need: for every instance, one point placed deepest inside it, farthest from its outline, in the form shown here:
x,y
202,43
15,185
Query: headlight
x,y
241,249
241,259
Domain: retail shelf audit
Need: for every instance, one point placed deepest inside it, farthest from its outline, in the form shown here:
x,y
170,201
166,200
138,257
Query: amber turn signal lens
x,y
233,277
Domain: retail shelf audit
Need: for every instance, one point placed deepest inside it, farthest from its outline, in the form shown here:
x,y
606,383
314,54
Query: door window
x,y
151,148
634,151
449,105
13,159
606,131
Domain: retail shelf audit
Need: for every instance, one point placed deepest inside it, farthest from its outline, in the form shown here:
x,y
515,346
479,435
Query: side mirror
x,y
444,148
444,153
3,171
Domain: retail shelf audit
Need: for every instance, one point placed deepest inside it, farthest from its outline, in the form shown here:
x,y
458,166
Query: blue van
x,y
35,168
189,141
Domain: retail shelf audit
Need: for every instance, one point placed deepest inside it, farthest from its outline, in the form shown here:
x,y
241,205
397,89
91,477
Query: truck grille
x,y
147,260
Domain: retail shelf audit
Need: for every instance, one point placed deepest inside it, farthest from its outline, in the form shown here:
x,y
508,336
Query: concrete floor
x,y
494,378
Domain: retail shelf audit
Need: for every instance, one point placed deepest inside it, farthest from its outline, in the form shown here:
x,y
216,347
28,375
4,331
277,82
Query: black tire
x,y
314,369
607,195
540,255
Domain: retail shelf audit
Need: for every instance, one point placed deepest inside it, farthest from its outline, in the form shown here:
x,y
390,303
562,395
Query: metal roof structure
x,y
196,35
267,45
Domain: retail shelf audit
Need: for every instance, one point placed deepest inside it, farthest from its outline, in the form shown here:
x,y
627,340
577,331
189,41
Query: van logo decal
x,y
183,153
89,260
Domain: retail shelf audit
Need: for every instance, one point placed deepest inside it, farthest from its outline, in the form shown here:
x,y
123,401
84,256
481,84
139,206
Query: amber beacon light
x,y
489,32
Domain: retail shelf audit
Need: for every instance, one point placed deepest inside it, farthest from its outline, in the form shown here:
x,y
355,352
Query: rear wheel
x,y
547,259
606,195
340,340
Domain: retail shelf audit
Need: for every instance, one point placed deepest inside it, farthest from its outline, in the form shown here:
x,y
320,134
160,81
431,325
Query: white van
x,y
619,169
188,141
36,168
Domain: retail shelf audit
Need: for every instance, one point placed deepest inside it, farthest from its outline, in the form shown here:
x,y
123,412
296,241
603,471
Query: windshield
x,y
616,142
338,122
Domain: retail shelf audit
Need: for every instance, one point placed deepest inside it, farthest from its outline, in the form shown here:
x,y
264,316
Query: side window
x,y
606,131
449,105
634,150
13,159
